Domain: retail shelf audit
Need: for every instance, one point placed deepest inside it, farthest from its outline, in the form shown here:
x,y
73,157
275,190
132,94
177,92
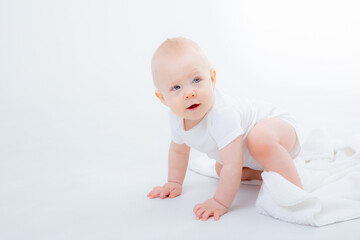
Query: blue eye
x,y
196,80
176,87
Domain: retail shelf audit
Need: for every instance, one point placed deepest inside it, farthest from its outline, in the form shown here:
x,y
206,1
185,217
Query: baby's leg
x,y
247,173
270,142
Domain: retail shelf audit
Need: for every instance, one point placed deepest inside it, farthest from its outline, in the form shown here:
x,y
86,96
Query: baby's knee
x,y
260,144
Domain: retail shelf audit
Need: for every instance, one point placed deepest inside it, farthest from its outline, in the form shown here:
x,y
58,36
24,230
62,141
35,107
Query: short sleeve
x,y
226,127
174,126
175,137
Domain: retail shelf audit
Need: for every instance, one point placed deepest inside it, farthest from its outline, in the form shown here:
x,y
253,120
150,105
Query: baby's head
x,y
184,78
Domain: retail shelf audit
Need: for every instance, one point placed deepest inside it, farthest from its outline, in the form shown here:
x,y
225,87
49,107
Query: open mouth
x,y
193,106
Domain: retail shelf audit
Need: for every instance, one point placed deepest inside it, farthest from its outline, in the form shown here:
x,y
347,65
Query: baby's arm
x,y
230,175
178,162
230,178
177,166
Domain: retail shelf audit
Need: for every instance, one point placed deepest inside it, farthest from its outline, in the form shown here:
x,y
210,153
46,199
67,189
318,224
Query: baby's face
x,y
185,84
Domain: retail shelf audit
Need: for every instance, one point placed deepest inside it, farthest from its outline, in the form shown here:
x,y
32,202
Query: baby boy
x,y
243,136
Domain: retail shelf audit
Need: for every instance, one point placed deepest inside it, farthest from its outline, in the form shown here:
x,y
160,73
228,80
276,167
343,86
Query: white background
x,y
77,106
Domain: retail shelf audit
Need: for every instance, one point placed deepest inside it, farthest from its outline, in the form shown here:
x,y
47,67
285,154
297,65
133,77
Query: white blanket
x,y
330,173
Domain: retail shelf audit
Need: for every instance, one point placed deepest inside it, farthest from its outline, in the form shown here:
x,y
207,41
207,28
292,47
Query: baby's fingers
x,y
216,215
197,207
155,192
175,192
165,191
207,214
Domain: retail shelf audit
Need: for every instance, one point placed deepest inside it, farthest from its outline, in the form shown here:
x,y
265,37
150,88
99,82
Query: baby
x,y
243,136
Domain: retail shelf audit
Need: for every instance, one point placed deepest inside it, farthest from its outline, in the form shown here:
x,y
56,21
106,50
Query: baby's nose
x,y
190,95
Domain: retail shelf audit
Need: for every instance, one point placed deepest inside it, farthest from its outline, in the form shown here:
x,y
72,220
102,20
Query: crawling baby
x,y
244,137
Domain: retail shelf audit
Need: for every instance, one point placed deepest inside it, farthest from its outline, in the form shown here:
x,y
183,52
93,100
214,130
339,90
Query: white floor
x,y
78,186
109,202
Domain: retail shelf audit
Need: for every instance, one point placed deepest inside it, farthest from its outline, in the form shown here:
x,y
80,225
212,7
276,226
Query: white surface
x,y
83,139
330,172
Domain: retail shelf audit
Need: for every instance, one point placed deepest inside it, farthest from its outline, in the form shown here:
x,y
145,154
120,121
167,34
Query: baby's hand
x,y
170,189
209,208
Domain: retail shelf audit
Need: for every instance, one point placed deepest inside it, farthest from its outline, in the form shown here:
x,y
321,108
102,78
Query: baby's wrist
x,y
174,182
220,203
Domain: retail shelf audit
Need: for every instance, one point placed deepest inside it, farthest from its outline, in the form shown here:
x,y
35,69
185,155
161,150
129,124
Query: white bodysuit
x,y
229,118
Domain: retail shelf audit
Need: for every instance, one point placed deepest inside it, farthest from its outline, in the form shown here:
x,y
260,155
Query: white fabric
x,y
229,118
319,147
331,183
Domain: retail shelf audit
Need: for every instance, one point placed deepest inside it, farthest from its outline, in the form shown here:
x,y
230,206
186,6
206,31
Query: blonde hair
x,y
176,47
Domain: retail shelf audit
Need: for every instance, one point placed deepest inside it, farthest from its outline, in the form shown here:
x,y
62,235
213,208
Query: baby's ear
x,y
213,76
160,96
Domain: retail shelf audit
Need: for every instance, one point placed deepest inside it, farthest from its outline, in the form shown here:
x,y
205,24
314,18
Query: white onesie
x,y
229,118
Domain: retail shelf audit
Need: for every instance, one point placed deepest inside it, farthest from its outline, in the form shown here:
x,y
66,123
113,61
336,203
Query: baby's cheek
x,y
178,110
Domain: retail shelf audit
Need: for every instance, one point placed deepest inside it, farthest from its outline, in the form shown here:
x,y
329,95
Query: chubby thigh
x,y
267,136
266,132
